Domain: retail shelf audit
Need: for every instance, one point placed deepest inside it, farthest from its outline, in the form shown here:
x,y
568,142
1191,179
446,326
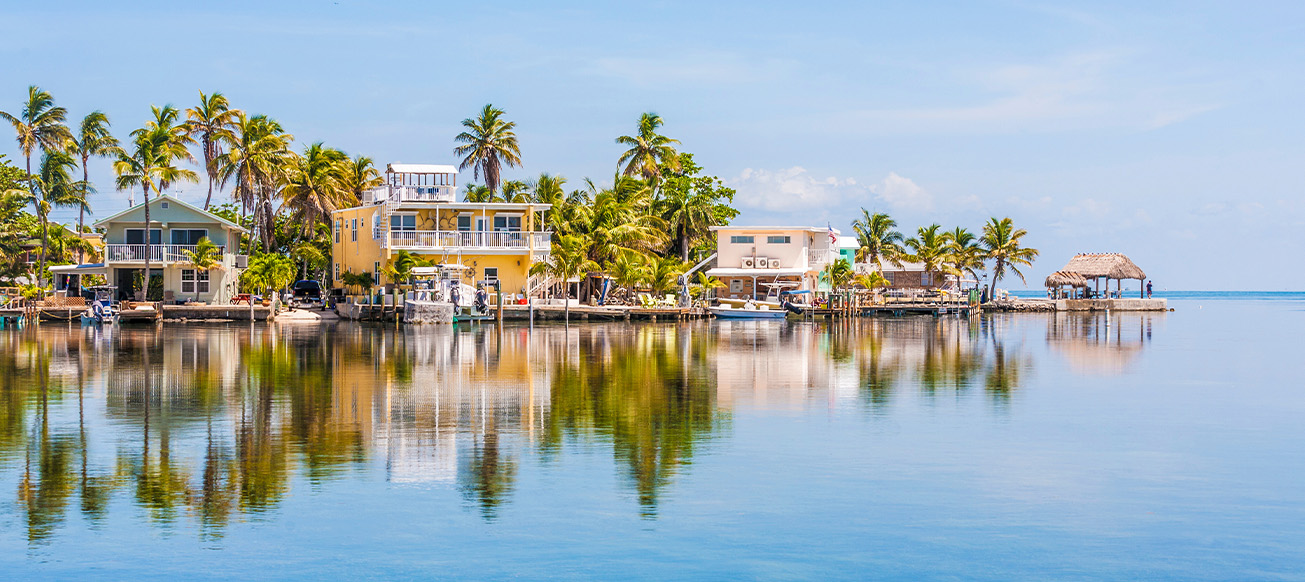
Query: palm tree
x,y
879,238
256,160
629,270
568,260
690,213
92,140
206,257
873,280
315,187
212,122
838,273
649,151
1001,243
929,248
708,284
150,166
53,187
516,191
165,121
488,143
360,175
39,125
963,253
548,189
664,274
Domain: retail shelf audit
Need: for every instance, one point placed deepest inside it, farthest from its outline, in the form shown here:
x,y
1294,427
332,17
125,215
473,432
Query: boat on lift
x,y
102,310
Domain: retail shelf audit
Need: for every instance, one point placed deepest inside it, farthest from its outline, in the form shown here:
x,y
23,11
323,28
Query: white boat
x,y
102,310
746,312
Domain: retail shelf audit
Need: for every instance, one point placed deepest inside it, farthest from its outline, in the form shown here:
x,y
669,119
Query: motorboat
x,y
101,311
747,311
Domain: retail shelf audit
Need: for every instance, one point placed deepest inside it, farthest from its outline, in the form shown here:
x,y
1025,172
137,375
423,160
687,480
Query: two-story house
x,y
753,260
175,227
416,210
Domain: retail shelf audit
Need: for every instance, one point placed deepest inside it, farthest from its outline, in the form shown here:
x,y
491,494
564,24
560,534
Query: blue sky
x,y
1171,132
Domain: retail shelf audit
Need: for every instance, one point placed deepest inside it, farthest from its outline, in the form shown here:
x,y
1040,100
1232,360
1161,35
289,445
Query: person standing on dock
x,y
1148,289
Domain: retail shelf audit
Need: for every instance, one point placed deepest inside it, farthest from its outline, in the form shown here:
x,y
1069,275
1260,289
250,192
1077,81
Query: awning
x,y
732,272
87,269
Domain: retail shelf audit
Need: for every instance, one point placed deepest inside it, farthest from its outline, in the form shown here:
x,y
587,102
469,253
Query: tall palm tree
x,y
212,122
879,238
360,175
1001,243
92,140
150,165
690,214
53,187
165,123
256,160
648,150
315,187
929,248
39,125
488,143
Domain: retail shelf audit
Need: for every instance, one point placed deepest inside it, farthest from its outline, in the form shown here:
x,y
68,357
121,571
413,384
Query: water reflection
x,y
211,425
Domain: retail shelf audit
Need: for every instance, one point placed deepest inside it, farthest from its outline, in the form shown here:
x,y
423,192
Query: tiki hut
x,y
1060,279
1108,266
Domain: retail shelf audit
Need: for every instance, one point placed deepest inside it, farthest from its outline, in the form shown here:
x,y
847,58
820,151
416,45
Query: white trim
x,y
168,197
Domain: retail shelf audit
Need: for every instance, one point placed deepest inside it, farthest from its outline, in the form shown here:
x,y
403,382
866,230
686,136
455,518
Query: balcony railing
x,y
819,257
157,253
472,239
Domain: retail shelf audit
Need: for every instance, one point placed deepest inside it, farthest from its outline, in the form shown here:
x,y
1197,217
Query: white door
x,y
482,225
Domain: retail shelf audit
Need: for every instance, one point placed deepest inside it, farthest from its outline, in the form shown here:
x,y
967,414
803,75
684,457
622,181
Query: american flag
x,y
833,238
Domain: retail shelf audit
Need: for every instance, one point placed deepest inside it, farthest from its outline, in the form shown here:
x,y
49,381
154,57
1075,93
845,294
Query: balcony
x,y
157,253
469,240
818,258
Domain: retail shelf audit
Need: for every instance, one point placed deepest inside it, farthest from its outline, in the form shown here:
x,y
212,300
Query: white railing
x,y
422,193
472,239
157,253
819,257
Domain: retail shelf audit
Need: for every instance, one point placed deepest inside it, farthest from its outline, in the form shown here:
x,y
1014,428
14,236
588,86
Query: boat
x,y
102,310
748,311
442,285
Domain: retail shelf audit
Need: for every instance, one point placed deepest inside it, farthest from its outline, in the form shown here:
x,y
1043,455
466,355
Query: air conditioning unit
x,y
774,263
242,261
748,263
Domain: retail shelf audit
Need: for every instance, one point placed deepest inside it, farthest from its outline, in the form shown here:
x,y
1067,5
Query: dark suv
x,y
307,293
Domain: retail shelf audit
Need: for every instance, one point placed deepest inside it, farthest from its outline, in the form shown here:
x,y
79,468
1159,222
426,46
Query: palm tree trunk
x,y
81,210
684,244
45,243
208,169
148,240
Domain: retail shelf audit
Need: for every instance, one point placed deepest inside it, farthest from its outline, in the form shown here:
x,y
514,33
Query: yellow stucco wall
x,y
363,254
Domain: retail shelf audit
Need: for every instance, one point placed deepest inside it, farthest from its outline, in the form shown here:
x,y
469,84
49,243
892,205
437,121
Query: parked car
x,y
307,293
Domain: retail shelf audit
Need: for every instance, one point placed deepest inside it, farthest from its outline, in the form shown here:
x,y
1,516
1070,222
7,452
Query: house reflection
x,y
212,425
1101,343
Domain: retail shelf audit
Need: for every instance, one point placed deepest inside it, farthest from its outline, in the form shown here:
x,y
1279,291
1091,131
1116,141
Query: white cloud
x,y
790,189
900,192
796,188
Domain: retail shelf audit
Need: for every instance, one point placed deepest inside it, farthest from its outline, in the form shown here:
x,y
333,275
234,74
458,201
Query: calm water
x,y
1157,446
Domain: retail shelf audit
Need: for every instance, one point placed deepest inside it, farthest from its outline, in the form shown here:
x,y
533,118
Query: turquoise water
x,y
1011,447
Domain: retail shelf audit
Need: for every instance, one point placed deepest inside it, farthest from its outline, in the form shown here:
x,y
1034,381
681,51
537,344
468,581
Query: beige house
x,y
754,260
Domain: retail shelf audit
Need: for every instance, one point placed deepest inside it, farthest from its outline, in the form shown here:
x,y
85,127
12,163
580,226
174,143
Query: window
x,y
338,228
778,240
136,236
509,223
491,273
353,230
337,271
464,222
736,285
187,236
403,222
376,272
164,205
194,281
740,240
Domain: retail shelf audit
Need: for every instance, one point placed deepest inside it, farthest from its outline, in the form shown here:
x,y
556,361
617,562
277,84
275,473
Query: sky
x,y
1169,131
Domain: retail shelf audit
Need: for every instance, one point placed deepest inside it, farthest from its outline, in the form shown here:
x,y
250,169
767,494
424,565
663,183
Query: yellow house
x,y
416,211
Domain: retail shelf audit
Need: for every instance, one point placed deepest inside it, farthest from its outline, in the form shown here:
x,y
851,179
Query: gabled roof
x,y
178,201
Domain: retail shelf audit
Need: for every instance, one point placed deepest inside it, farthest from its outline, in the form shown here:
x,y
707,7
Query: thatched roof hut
x,y
1065,279
1108,265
